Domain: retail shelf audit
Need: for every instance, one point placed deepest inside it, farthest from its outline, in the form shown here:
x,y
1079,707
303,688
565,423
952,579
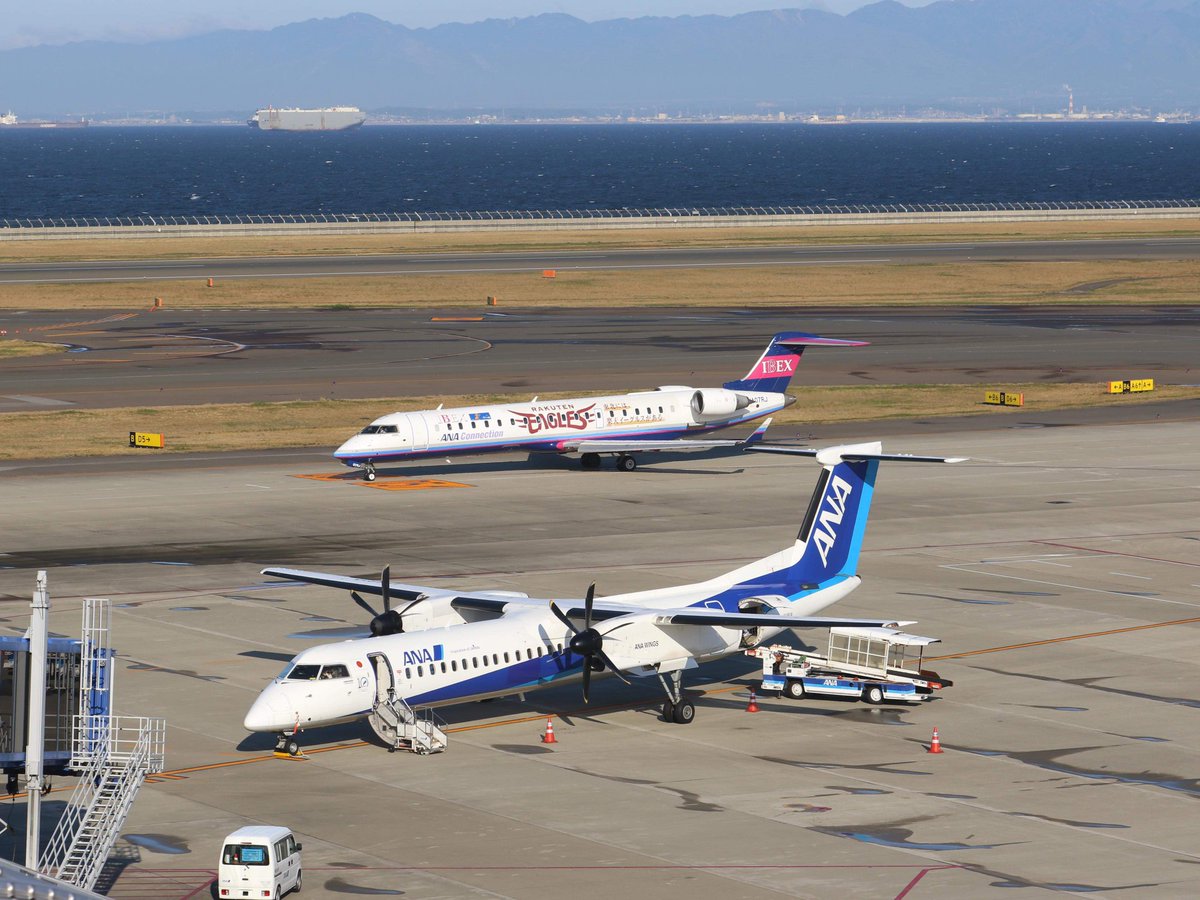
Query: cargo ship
x,y
9,120
332,118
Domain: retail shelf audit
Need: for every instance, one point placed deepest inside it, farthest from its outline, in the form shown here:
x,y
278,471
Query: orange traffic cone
x,y
548,737
935,745
752,706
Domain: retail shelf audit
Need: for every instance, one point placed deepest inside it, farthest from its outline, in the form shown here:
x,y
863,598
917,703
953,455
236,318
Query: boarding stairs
x,y
112,756
127,750
404,728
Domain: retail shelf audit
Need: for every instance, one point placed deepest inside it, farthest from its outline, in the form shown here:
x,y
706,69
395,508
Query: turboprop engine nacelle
x,y
640,641
717,403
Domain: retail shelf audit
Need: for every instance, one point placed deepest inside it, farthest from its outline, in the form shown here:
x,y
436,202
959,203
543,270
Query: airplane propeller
x,y
389,621
587,642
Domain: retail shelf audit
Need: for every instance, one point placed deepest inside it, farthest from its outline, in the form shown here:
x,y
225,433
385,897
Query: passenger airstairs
x,y
405,728
112,754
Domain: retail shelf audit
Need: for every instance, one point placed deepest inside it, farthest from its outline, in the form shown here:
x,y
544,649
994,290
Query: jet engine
x,y
717,403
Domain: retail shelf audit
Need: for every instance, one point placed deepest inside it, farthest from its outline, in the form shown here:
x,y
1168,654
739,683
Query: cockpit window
x,y
370,429
334,672
388,429
304,673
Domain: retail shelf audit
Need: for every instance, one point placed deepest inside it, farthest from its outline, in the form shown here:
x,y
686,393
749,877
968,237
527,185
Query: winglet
x,y
759,433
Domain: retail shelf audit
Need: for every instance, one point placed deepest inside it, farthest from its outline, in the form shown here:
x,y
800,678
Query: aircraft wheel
x,y
590,460
685,712
626,463
873,695
293,748
668,711
369,473
794,689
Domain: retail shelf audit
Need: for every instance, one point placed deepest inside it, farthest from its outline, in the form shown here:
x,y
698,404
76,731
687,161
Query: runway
x,y
184,357
399,264
1058,566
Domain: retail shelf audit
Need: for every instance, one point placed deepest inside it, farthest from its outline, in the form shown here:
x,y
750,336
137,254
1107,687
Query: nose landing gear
x,y
287,747
368,471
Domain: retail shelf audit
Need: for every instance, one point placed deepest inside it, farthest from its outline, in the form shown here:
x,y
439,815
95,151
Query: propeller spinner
x,y
587,642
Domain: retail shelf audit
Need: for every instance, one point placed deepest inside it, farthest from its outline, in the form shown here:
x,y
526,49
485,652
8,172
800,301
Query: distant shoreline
x,y
398,122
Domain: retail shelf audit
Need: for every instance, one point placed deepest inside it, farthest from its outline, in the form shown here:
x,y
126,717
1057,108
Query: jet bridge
x,y
56,719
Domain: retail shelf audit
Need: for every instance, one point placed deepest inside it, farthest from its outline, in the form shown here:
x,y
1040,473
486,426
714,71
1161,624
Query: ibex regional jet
x,y
445,646
620,425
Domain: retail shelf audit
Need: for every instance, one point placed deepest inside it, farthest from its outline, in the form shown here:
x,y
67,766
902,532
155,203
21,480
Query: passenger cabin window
x,y
334,672
420,671
304,673
506,656
495,659
453,665
408,674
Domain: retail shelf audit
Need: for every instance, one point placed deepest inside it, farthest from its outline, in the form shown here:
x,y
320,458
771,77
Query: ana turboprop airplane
x,y
619,425
445,646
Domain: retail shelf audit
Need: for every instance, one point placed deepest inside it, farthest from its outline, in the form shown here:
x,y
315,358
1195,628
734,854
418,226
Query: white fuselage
x,y
459,660
556,426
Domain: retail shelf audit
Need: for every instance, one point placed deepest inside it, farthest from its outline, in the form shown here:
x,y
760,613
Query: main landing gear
x,y
625,462
677,708
368,471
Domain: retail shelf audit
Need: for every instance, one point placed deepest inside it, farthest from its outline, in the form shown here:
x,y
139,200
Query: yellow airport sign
x,y
1001,398
146,439
1133,386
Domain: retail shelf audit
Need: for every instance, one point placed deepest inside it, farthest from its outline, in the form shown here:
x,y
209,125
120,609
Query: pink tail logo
x,y
774,366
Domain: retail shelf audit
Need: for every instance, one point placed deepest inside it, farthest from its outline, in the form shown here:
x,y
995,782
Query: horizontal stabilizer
x,y
833,454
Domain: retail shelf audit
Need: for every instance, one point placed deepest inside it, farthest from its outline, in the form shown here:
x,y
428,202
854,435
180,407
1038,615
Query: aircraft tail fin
x,y
827,548
777,364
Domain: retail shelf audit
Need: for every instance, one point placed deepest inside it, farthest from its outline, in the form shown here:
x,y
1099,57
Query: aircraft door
x,y
420,432
384,677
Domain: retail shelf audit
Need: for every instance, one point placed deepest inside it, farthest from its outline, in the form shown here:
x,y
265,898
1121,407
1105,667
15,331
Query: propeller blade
x,y
385,584
363,603
587,679
587,606
562,617
603,657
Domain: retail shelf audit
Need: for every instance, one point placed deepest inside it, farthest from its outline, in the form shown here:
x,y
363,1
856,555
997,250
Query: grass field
x,y
10,349
67,433
1114,281
326,423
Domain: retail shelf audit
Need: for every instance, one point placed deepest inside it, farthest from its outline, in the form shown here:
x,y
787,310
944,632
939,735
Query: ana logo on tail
x,y
824,534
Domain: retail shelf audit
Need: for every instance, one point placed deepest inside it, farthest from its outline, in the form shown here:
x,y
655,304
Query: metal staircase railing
x,y
418,731
122,751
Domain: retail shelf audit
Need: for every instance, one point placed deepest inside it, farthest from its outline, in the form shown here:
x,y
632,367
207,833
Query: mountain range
x,y
972,55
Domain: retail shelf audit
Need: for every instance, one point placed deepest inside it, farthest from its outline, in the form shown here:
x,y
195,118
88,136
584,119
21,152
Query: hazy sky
x,y
59,21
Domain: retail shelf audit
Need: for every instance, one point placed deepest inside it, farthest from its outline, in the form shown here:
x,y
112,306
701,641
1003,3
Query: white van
x,y
260,861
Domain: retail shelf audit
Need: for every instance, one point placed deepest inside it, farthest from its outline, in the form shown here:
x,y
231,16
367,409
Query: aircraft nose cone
x,y
269,713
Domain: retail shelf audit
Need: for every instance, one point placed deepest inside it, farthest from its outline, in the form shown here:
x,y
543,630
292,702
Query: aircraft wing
x,y
346,583
675,445
485,601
